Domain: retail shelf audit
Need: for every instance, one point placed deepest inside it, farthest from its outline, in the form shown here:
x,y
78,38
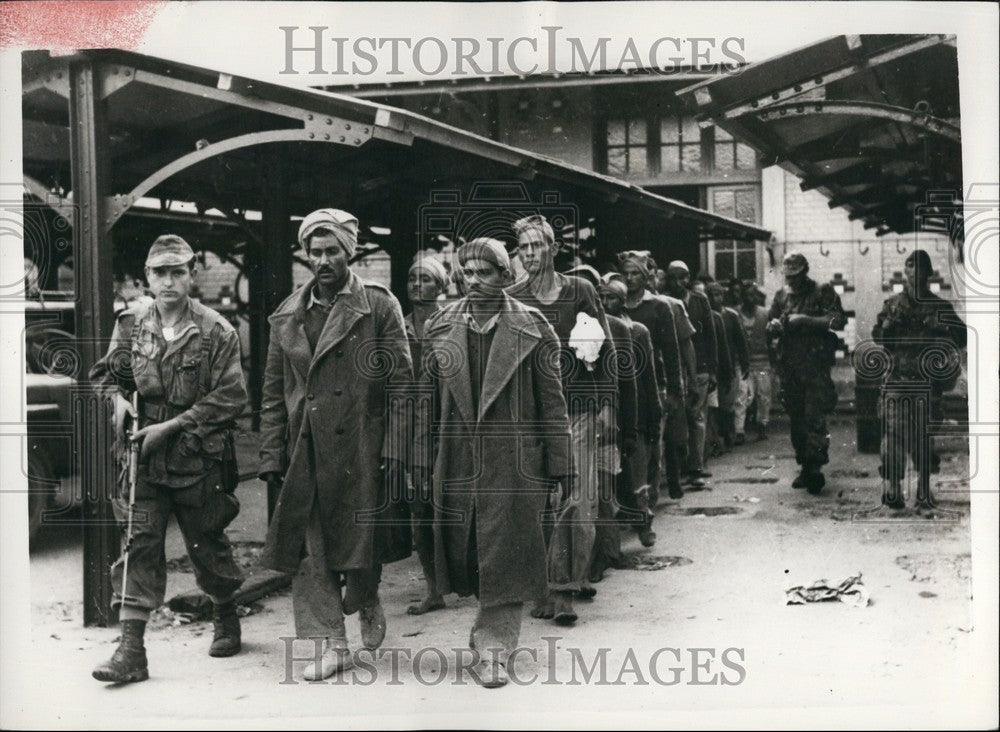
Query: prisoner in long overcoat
x,y
496,454
328,423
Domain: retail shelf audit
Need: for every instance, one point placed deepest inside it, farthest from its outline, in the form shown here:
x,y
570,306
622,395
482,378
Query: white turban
x,y
343,225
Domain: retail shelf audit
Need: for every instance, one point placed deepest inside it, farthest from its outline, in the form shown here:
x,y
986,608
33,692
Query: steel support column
x,y
405,241
268,264
94,319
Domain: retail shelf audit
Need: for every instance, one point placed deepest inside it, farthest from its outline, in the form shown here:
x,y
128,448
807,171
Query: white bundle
x,y
586,339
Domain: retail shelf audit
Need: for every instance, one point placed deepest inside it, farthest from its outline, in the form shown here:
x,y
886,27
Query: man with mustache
x,y
494,443
333,439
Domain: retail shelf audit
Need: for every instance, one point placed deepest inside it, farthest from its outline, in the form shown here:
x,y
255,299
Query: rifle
x,y
133,478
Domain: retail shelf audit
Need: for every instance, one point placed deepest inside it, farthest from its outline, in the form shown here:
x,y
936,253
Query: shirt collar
x,y
315,301
481,329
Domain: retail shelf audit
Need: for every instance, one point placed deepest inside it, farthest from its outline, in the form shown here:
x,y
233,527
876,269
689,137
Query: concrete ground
x,y
698,634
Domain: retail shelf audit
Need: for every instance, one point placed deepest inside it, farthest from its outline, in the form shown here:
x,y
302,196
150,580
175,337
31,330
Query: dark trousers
x,y
809,396
203,512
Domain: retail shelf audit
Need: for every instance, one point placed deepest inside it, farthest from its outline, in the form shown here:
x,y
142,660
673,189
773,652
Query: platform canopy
x,y
180,133
870,121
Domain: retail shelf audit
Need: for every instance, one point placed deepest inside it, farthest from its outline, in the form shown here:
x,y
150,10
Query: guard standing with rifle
x,y
182,360
925,337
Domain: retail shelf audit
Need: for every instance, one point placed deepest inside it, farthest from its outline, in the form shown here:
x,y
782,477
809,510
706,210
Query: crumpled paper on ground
x,y
850,591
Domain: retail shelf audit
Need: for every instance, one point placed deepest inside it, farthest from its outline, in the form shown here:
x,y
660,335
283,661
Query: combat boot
x,y
128,663
815,480
226,640
802,480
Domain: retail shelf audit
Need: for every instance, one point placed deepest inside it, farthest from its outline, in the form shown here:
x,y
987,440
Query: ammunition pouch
x,y
191,454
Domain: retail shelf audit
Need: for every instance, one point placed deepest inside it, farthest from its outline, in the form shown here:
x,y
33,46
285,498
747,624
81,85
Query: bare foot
x,y
428,604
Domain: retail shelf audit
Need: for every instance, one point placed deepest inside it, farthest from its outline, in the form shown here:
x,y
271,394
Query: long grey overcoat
x,y
328,422
493,467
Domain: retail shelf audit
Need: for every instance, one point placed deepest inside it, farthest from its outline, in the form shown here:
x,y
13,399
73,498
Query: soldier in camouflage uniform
x,y
185,364
924,337
802,319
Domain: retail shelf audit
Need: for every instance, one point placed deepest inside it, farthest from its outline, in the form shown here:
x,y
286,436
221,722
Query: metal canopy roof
x,y
870,121
185,133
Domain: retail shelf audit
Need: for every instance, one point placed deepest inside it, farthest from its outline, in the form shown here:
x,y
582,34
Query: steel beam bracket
x,y
327,128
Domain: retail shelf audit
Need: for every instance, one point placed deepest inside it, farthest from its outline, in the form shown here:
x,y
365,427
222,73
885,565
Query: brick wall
x,y
833,244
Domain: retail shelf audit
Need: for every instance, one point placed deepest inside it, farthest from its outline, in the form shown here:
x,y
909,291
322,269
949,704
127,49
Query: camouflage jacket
x,y
197,377
924,336
807,348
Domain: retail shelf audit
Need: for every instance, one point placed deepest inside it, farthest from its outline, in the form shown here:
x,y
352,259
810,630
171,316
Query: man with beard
x,y
706,354
494,443
802,318
590,389
925,336
333,438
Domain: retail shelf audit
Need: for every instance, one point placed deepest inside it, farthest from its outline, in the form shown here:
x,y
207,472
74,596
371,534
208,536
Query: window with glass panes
x,y
662,145
627,149
730,154
733,257
680,145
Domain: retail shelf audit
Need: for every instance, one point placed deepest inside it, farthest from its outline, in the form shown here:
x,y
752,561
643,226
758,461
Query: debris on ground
x,y
746,499
850,591
927,567
649,563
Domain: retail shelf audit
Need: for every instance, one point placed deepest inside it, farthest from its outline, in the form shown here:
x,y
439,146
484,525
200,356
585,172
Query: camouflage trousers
x,y
908,410
809,396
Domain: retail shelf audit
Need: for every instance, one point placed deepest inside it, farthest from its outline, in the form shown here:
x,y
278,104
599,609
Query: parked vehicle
x,y
50,356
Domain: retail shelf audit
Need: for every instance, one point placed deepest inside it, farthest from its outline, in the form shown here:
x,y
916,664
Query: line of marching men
x,y
511,431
